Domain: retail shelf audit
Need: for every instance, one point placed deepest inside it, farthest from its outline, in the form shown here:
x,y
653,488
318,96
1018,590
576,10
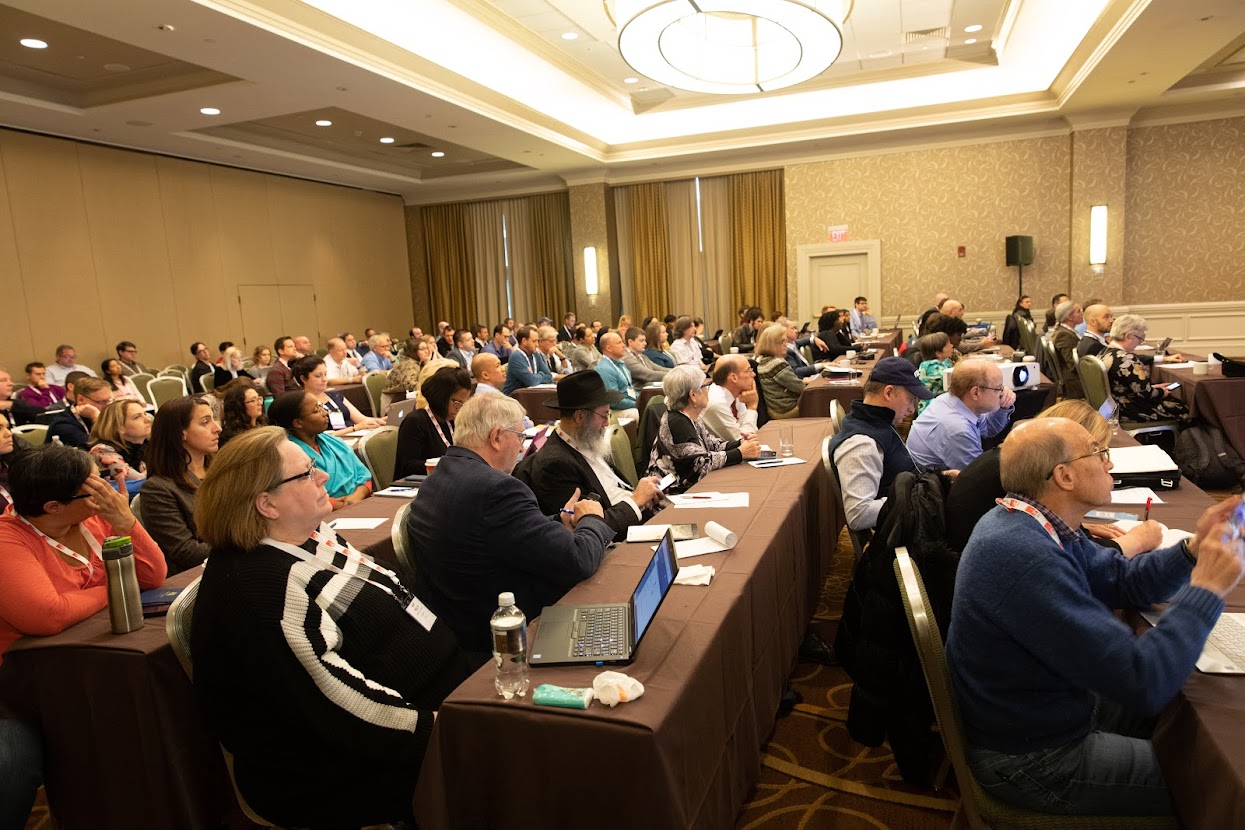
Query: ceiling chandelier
x,y
730,47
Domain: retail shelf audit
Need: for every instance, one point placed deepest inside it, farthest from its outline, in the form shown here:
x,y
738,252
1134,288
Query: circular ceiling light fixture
x,y
437,154
33,43
323,122
386,140
209,111
730,47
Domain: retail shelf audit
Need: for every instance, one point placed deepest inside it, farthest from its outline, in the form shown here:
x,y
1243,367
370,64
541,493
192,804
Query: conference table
x,y
1217,399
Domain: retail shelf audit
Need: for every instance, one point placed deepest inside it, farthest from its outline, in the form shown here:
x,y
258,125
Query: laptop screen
x,y
657,579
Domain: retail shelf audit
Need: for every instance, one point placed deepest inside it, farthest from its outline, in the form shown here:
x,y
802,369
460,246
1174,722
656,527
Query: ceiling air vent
x,y
918,35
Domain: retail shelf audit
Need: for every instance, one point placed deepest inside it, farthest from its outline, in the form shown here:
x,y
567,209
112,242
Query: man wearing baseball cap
x,y
867,452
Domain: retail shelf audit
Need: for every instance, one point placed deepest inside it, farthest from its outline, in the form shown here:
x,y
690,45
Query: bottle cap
x,y
117,547
505,599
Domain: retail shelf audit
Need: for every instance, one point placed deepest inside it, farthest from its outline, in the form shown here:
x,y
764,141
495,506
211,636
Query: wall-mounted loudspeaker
x,y
1019,250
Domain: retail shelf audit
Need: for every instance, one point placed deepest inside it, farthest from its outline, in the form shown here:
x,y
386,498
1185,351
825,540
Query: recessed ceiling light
x,y
969,41
33,43
438,154
117,67
386,140
631,80
324,122
570,35
976,27
210,111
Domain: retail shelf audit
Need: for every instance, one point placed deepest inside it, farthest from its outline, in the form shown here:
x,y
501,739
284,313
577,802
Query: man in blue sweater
x,y
1057,694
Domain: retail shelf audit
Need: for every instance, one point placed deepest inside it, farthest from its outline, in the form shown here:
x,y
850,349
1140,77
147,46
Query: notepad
x,y
1171,535
1146,458
356,524
1134,495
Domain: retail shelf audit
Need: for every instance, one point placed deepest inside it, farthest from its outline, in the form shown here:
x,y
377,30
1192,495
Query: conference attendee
x,y
684,446
479,334
953,327
1098,321
612,367
1128,375
486,372
242,409
794,343
575,461
641,366
567,333
863,323
416,333
935,350
403,378
352,349
38,392
341,369
14,407
624,322
184,438
221,348
302,343
583,351
547,344
445,339
947,435
72,425
118,441
465,556
230,367
304,418
939,299
378,358
344,417
1058,695
526,366
978,488
1021,318
1050,312
834,332
657,348
112,372
867,452
280,378
596,327
510,326
1068,315
66,362
500,346
362,346
751,322
780,386
686,349
127,353
202,366
731,413
261,362
348,684
10,446
429,432
464,349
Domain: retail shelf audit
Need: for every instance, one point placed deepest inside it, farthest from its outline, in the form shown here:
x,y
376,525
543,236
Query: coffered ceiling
x,y
492,98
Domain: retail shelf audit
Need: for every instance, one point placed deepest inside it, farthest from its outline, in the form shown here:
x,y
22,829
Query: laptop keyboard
x,y
1228,636
599,632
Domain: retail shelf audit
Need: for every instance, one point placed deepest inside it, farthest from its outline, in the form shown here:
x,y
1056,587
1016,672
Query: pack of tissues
x,y
613,688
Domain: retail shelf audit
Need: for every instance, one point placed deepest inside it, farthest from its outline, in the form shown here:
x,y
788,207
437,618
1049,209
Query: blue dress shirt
x,y
617,377
947,435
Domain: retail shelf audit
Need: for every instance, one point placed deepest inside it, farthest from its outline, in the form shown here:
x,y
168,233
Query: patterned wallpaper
x,y
1186,212
589,226
923,204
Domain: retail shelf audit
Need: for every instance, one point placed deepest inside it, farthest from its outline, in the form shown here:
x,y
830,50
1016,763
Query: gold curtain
x,y
489,261
646,221
541,255
758,232
683,249
715,226
449,253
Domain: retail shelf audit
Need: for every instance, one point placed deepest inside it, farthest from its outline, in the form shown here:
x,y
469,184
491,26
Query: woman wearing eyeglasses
x,y
317,668
307,422
1128,374
241,410
428,433
184,436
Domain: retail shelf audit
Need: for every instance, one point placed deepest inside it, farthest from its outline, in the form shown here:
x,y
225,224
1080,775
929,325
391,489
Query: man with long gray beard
x,y
576,458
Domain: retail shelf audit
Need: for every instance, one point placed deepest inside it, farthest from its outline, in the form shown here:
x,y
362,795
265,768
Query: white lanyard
x,y
1015,504
91,542
6,495
436,423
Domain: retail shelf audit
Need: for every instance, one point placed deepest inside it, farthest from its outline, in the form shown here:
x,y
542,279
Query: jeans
x,y
1111,771
21,771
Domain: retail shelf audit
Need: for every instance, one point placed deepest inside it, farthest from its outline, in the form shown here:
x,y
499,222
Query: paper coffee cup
x,y
1201,368
1029,359
851,354
431,464
734,350
1158,358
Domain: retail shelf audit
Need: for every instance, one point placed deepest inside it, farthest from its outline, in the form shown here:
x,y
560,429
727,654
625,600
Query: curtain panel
x,y
758,232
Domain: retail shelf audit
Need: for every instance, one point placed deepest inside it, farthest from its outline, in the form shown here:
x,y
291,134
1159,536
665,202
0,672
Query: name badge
x,y
420,614
337,420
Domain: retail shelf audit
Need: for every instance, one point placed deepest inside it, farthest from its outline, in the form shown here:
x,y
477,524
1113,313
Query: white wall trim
x,y
804,256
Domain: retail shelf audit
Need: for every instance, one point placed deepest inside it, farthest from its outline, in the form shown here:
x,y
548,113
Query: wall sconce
x,y
1098,235
591,283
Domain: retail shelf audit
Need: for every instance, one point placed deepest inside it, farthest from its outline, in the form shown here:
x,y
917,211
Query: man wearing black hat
x,y
577,455
867,452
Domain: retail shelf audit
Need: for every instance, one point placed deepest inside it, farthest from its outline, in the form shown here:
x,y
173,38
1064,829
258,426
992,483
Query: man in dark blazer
x,y
465,556
576,458
1068,315
567,333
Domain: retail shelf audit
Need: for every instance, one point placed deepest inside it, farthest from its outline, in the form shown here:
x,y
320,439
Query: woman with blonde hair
x,y
118,440
353,667
779,383
624,322
229,368
978,485
658,349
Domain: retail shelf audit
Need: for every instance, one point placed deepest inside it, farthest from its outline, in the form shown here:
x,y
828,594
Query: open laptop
x,y
599,634
398,411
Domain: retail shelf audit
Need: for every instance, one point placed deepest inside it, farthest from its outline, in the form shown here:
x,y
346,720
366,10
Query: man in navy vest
x,y
867,452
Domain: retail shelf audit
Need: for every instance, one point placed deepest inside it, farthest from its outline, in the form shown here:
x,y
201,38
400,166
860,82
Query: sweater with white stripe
x,y
319,683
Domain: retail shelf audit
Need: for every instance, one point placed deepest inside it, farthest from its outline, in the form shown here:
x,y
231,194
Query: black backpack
x,y
1207,459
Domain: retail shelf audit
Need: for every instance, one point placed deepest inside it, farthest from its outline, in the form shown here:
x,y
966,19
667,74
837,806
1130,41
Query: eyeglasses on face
x,y
310,475
998,389
1103,453
73,499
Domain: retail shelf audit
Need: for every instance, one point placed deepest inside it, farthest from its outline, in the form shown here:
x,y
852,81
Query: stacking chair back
x,y
34,433
379,452
140,379
621,452
406,557
373,382
165,388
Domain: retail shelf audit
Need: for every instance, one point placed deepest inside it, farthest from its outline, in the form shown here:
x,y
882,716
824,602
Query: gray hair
x,y
1064,310
482,414
679,384
1126,324
1029,454
376,339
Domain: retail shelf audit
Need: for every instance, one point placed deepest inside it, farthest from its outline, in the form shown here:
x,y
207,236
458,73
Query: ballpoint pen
x,y
1147,518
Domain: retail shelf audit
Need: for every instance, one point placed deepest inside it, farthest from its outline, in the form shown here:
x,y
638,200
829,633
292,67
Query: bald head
x,y
1099,318
1032,450
952,308
940,298
733,372
486,368
611,345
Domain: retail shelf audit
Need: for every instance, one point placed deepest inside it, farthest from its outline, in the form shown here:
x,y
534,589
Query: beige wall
x,y
591,211
99,245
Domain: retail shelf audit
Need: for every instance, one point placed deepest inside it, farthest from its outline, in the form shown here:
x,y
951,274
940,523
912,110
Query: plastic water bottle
x,y
509,647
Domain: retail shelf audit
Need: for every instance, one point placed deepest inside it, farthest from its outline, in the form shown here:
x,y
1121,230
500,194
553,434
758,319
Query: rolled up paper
x,y
721,535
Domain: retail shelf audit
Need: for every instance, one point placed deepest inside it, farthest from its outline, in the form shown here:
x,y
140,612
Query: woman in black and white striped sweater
x,y
318,669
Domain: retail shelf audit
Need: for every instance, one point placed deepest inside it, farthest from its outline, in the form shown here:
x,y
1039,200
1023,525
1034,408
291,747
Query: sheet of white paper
x,y
842,369
716,539
1134,495
544,386
356,524
714,500
765,463
1144,459
647,533
1185,365
399,492
1171,535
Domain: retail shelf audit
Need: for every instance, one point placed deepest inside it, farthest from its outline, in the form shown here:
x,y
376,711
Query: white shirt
x,y
726,416
559,366
685,352
616,490
337,371
57,373
486,389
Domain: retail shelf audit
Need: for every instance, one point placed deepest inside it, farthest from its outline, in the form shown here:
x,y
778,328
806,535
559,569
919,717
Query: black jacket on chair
x,y
557,469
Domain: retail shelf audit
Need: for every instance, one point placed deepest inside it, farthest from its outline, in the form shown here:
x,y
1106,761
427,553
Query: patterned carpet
x,y
814,775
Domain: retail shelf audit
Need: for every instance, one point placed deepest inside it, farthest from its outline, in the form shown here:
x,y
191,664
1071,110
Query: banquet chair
x,y
836,415
165,388
374,382
724,343
1097,388
379,452
860,538
140,379
621,452
405,556
33,433
979,809
208,382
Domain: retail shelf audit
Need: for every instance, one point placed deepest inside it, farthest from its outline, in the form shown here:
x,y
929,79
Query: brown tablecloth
x,y
357,395
126,745
713,663
1219,400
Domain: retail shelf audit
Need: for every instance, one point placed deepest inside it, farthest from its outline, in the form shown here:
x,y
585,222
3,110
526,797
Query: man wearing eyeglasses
x,y
947,435
1059,696
73,425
